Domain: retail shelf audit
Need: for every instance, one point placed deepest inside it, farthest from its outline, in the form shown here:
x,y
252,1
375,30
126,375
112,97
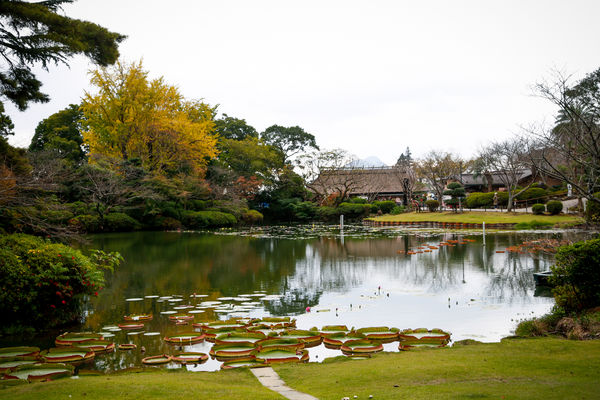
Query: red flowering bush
x,y
43,284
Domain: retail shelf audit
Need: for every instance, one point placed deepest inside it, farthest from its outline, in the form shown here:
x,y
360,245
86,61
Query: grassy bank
x,y
475,217
540,368
544,368
152,383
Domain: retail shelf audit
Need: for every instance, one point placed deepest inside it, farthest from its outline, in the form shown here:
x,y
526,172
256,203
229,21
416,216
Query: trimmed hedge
x,y
86,223
252,217
385,206
538,209
533,193
554,207
353,210
207,219
485,200
119,222
432,205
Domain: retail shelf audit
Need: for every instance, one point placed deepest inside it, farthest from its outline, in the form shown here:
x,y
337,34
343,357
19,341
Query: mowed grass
x,y
539,368
542,368
153,383
476,217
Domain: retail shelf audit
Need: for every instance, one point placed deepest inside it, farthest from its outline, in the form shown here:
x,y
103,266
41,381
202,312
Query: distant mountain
x,y
367,162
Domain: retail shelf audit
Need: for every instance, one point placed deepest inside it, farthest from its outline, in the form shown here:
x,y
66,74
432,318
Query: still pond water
x,y
358,277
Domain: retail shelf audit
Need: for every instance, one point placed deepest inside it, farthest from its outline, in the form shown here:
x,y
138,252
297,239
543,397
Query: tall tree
x,y
34,33
507,160
289,140
437,167
133,117
405,159
570,150
61,134
234,128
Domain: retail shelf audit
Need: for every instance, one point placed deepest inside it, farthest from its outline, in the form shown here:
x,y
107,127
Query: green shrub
x,y
554,207
198,205
533,225
167,224
43,284
385,206
304,211
592,210
56,216
357,200
79,208
119,222
207,219
352,210
485,200
532,327
326,213
533,193
432,205
252,217
86,223
576,276
398,210
538,209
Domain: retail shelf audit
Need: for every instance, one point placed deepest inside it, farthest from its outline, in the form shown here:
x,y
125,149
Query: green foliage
x,y
36,33
457,192
43,284
554,207
167,224
353,210
485,200
538,209
86,223
398,210
357,200
385,206
207,219
533,224
533,193
289,140
252,217
234,128
592,210
576,276
119,222
327,213
432,205
60,133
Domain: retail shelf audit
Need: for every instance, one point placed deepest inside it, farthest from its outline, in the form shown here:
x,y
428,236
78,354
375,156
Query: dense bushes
x,y
119,222
533,193
432,205
353,210
207,219
252,217
554,207
485,200
538,209
43,283
577,276
385,206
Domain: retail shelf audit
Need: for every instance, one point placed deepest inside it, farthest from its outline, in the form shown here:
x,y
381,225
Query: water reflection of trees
x,y
303,269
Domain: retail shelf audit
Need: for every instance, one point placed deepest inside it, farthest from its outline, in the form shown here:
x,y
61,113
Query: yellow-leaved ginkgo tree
x,y
131,117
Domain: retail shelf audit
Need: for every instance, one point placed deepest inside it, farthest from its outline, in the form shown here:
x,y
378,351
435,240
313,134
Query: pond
x,y
360,277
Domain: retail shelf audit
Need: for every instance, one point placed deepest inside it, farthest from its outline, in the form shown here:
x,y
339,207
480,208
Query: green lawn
x,y
540,368
153,383
514,369
476,217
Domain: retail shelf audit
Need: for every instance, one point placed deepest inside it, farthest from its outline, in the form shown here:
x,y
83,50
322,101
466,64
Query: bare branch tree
x,y
437,167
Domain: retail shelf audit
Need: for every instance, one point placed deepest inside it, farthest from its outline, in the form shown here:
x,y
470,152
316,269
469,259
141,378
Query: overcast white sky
x,y
370,77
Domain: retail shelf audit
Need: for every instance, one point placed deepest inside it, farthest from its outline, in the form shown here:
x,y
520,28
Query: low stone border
x,y
436,224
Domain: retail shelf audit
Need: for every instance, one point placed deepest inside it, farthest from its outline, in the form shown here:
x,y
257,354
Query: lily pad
x,y
190,358
127,346
9,364
35,372
234,350
277,354
67,355
131,326
156,360
74,338
380,333
138,317
185,338
361,346
245,362
21,351
135,299
239,337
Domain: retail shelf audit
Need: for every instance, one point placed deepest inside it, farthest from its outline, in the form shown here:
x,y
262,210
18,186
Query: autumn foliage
x,y
131,117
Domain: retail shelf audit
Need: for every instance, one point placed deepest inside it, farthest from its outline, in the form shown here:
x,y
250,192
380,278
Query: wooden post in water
x,y
342,222
484,233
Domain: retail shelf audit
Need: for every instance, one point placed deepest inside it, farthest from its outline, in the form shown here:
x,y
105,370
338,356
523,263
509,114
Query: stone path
x,y
269,378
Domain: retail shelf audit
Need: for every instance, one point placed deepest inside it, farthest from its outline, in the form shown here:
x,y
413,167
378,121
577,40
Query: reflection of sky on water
x,y
488,291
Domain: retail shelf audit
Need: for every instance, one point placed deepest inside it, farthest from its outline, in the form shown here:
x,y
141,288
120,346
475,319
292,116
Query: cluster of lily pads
x,y
237,342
